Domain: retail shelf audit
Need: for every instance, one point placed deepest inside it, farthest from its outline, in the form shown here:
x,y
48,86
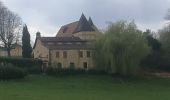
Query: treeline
x,y
10,34
125,50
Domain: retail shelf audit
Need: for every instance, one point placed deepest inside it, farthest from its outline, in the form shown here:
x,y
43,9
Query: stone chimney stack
x,y
38,35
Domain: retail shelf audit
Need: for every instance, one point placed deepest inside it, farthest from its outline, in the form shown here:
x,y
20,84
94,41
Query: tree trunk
x,y
9,53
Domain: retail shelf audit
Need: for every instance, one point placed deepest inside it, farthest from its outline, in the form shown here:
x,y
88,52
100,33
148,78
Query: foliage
x,y
8,71
152,41
60,72
53,71
121,49
32,65
10,24
154,58
167,17
165,41
26,46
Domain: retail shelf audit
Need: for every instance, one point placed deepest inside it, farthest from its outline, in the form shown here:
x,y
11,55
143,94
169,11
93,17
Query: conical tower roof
x,y
91,22
83,25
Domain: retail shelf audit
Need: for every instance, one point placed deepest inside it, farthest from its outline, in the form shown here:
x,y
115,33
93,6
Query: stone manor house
x,y
71,47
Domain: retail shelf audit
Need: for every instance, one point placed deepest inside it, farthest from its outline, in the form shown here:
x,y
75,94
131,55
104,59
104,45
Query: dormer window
x,y
68,43
59,43
50,43
78,42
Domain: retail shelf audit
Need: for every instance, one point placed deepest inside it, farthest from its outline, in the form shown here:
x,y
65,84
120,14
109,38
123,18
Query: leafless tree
x,y
10,24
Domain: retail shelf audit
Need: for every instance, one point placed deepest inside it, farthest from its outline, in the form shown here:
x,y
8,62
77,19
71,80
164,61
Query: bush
x,y
60,72
69,71
34,70
9,71
97,72
32,65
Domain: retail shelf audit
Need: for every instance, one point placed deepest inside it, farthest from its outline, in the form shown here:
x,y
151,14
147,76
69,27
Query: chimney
x,y
38,34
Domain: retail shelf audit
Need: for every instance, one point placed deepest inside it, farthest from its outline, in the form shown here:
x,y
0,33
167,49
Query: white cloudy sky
x,y
47,16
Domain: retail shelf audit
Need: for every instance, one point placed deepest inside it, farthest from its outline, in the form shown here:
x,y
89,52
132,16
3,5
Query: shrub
x,y
69,71
34,70
32,65
97,72
60,72
9,71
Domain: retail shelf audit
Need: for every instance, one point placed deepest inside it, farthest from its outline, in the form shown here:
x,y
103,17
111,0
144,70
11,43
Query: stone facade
x,y
3,53
71,48
16,51
79,59
41,52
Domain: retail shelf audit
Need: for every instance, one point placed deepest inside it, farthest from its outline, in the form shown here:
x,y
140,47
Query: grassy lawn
x,y
84,87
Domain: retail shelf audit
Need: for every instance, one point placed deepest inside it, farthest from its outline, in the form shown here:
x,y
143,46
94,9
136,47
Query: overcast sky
x,y
47,16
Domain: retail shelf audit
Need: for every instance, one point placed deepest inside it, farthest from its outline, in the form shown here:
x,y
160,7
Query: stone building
x,y
72,46
3,52
16,51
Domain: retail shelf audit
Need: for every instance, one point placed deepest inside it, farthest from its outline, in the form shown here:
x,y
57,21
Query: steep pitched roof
x,y
68,29
83,25
65,46
16,45
78,26
92,25
63,43
61,39
90,22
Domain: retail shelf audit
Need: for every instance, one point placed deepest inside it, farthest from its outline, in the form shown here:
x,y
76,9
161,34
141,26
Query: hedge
x,y
32,65
9,71
52,71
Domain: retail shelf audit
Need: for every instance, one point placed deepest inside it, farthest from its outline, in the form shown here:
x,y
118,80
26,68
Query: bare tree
x,y
167,17
10,24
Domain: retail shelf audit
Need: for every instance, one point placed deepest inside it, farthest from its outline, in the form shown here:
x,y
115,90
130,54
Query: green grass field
x,y
84,87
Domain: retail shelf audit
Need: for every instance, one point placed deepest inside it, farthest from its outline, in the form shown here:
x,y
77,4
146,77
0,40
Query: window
x,y
57,54
78,42
68,43
72,65
65,54
88,54
85,65
40,55
59,43
50,43
59,65
81,54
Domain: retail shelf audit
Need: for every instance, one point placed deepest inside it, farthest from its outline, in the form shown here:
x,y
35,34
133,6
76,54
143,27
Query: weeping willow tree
x,y
121,49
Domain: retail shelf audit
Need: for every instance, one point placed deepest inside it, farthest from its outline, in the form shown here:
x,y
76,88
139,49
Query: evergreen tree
x,y
154,58
26,46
